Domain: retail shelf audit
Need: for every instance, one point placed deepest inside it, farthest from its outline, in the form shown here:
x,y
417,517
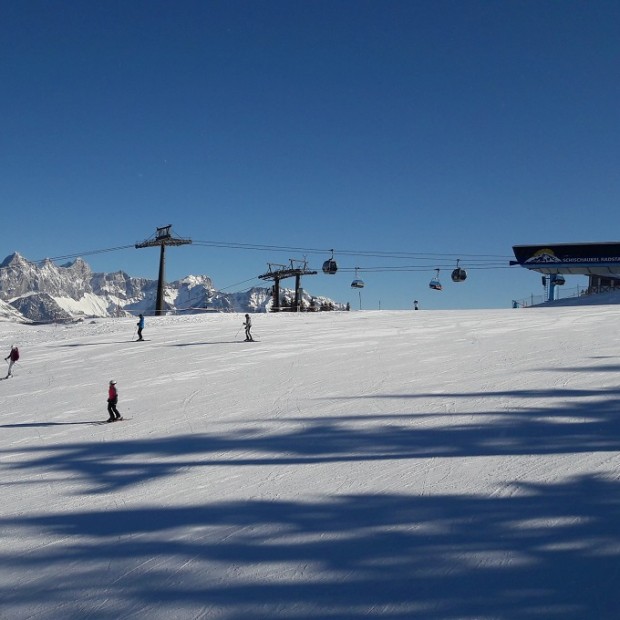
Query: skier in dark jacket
x,y
140,325
112,401
248,327
12,357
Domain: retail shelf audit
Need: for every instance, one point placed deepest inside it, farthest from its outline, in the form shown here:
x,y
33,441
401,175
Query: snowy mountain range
x,y
46,292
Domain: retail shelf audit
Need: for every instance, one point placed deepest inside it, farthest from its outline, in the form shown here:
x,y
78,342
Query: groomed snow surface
x,y
396,465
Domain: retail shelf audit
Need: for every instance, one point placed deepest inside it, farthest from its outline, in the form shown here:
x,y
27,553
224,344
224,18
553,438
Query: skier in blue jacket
x,y
140,325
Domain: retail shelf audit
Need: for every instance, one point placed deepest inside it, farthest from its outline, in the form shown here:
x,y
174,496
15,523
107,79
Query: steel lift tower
x,y
287,272
163,238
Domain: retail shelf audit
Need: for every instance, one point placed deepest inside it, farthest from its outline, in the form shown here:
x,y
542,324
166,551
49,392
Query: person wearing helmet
x,y
248,327
12,357
112,401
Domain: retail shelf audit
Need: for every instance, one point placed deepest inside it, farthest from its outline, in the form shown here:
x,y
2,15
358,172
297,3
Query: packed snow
x,y
398,465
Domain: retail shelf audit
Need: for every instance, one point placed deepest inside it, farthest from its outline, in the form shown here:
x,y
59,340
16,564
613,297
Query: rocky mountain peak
x,y
13,260
47,292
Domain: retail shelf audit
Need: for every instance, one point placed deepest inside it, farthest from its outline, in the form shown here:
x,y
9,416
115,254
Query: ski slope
x,y
396,465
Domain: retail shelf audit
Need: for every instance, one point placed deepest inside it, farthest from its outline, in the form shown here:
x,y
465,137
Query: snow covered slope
x,y
425,465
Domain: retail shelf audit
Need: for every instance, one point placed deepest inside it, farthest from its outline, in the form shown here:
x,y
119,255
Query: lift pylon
x,y
163,237
286,272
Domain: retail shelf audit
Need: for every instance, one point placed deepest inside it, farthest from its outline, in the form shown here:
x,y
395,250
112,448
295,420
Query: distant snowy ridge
x,y
9,313
46,292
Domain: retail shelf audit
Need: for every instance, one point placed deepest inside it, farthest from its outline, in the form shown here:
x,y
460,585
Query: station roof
x,y
570,258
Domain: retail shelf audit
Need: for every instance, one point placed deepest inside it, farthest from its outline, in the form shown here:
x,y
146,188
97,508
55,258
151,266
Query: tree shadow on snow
x,y
574,426
544,551
547,551
93,344
44,424
533,393
591,369
197,344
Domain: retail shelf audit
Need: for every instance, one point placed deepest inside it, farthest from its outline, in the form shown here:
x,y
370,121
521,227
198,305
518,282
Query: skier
x,y
415,305
140,325
13,356
112,401
248,327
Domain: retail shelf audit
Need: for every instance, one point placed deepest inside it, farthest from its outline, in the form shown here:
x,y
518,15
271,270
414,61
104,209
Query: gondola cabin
x,y
358,282
459,275
435,284
330,267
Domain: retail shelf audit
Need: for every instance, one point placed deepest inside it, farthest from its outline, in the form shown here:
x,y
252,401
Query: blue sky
x,y
442,130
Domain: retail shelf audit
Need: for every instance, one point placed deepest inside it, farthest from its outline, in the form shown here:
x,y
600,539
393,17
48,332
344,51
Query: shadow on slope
x,y
548,551
197,344
76,345
533,393
45,424
573,427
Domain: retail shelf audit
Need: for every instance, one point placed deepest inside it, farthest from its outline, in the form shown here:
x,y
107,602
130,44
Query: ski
x,y
100,422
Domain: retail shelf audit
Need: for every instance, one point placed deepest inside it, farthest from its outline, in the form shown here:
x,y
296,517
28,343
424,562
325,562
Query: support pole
x,y
552,286
276,295
159,304
297,285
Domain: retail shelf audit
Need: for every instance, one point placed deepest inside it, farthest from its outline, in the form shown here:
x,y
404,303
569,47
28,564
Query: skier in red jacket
x,y
112,401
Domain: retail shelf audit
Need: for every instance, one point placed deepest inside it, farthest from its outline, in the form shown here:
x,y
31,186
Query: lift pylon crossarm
x,y
271,270
282,274
163,236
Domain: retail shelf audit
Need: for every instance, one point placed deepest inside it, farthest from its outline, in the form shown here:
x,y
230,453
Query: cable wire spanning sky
x,y
404,135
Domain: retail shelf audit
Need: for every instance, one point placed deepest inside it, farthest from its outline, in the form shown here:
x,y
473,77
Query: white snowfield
x,y
394,465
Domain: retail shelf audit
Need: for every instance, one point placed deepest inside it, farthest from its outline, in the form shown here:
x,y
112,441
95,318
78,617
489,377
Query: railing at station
x,y
561,293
